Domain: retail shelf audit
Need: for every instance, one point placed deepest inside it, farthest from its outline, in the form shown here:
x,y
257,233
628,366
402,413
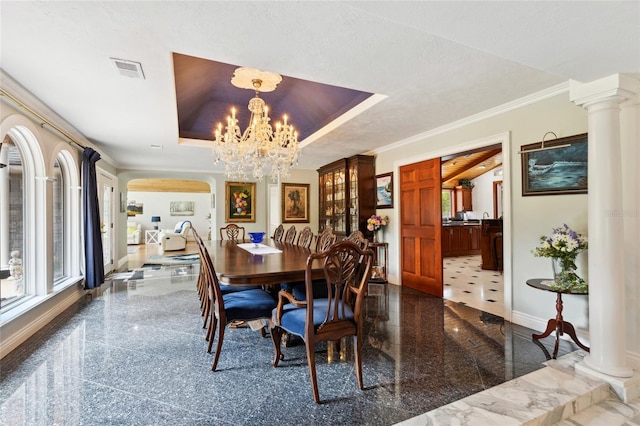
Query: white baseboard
x,y
12,341
540,324
122,261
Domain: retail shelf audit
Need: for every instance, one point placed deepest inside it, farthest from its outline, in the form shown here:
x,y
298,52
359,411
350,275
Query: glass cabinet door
x,y
354,213
328,200
339,211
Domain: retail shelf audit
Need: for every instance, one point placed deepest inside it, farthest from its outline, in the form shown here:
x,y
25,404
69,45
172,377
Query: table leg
x,y
554,324
568,328
551,326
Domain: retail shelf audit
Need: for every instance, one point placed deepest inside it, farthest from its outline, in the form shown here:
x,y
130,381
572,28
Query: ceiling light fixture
x,y
259,148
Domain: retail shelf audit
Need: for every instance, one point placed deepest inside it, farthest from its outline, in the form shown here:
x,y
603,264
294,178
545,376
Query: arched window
x,y
59,214
12,223
65,217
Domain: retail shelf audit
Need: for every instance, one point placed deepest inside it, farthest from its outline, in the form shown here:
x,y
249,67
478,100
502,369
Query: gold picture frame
x,y
240,202
295,203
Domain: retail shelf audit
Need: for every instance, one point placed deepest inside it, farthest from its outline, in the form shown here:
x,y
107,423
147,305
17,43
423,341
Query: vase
x,y
375,236
564,274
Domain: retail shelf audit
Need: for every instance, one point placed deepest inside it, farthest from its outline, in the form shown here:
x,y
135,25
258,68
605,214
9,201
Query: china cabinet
x,y
347,195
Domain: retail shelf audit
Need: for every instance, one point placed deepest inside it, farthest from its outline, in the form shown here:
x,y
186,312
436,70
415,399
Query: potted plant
x,y
466,183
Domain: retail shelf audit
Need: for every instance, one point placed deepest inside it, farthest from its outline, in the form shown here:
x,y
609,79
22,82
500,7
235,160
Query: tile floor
x,y
136,355
465,282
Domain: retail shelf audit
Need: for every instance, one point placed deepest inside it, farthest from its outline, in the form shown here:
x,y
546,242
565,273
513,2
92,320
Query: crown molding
x,y
501,109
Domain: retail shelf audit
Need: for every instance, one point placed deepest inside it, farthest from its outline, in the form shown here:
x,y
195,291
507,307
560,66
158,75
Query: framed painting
x,y
134,208
240,202
552,171
181,208
384,191
295,203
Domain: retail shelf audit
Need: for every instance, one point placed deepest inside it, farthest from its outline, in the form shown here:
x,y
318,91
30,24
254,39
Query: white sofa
x,y
176,238
134,232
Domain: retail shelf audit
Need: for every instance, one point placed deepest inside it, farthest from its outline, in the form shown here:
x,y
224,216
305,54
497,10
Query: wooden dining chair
x,y
247,305
278,234
347,269
305,237
232,232
290,235
203,292
358,238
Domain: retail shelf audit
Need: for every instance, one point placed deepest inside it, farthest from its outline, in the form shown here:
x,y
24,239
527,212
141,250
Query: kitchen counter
x,y
461,223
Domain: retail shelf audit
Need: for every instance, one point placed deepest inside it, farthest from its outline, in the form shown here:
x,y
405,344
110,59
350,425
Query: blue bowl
x,y
256,237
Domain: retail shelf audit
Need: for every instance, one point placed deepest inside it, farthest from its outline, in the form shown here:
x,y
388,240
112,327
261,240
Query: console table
x,y
558,323
380,262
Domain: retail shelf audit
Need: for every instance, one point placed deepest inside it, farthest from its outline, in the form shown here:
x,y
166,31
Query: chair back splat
x,y
278,234
232,232
347,269
290,235
358,238
325,239
305,237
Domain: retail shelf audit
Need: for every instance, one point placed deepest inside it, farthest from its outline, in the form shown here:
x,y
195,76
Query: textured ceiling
x,y
436,62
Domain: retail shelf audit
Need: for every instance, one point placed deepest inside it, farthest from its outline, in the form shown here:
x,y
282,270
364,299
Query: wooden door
x,y
421,226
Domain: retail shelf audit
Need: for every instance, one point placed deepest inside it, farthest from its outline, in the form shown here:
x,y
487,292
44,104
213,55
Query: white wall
x,y
157,204
482,194
531,216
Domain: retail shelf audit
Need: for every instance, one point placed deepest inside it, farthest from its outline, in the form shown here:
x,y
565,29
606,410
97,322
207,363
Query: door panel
x,y
420,216
106,202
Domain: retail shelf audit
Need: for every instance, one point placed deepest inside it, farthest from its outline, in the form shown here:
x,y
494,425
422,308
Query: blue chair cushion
x,y
299,290
248,304
293,318
226,289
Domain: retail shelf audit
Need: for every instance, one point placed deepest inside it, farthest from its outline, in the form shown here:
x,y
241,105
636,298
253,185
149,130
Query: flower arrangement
x,y
564,244
240,201
375,222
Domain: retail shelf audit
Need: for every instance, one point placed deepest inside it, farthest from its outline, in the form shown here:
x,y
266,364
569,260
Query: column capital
x,y
617,88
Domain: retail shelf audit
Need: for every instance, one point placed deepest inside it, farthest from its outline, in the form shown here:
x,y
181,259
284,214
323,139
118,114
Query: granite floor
x,y
136,355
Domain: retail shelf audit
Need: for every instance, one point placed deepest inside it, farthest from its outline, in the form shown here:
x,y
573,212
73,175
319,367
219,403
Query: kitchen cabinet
x,y
460,240
463,199
347,195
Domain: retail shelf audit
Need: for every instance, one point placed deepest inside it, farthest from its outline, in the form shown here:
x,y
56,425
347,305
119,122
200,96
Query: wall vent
x,y
128,68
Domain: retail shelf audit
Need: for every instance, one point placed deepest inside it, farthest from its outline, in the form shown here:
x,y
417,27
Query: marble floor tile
x,y
466,282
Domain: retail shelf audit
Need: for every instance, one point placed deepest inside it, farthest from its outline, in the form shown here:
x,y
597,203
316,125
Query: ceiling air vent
x,y
128,68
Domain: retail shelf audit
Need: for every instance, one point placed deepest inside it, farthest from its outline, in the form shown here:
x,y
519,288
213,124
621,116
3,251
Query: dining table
x,y
241,262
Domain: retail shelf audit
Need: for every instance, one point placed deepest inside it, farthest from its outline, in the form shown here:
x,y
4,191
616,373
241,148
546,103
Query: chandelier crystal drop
x,y
259,149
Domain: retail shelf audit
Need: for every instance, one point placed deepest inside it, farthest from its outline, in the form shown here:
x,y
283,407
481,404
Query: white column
x,y
607,326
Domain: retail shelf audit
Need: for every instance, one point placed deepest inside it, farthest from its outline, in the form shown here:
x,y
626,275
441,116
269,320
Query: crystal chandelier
x,y
260,148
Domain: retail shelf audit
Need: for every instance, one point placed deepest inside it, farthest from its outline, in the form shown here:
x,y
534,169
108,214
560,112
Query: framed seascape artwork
x,y
181,208
555,171
240,202
384,191
295,203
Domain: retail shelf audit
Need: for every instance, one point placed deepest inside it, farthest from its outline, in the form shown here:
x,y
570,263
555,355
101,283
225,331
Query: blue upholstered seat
x,y
248,304
293,318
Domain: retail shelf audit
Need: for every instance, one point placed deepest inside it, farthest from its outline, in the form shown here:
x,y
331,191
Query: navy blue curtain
x,y
93,262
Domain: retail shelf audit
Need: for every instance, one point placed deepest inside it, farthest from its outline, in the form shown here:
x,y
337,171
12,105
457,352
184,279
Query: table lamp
x,y
155,220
